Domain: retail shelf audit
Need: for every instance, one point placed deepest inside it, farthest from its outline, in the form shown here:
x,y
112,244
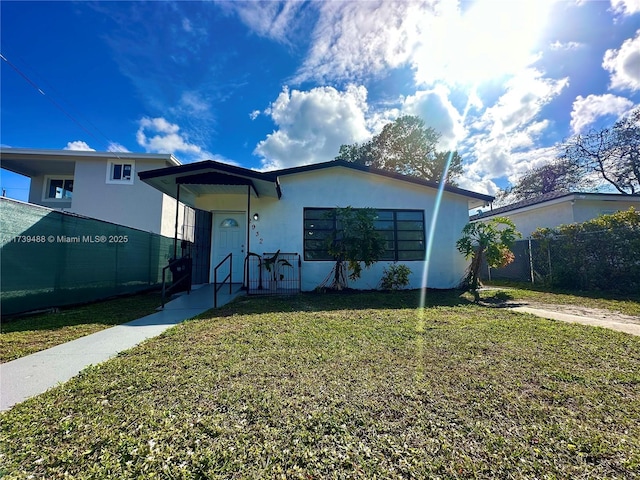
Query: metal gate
x,y
273,273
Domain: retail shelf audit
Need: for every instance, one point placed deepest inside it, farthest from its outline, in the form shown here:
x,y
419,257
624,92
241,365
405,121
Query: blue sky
x,y
276,84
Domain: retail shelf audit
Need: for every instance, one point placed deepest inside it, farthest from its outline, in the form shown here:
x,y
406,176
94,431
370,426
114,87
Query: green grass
x,y
344,386
626,304
26,335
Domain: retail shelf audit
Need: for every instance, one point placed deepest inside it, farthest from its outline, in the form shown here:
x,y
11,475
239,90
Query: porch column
x,y
247,249
175,235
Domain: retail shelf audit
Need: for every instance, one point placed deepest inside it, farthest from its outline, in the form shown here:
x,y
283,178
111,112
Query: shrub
x,y
395,277
600,254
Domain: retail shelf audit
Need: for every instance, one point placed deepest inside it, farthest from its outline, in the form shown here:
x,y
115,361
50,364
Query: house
x,y
101,185
560,208
246,211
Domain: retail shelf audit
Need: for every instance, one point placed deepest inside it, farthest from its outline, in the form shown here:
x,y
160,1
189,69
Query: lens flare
x,y
434,220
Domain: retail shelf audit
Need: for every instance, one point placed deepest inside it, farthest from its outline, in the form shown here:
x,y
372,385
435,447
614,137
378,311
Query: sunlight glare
x,y
488,40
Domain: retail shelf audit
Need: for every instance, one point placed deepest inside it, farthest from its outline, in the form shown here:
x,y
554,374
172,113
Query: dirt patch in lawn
x,y
599,313
603,314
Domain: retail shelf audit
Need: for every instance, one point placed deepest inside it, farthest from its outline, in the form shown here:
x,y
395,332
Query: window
x,y
403,231
58,188
229,223
118,172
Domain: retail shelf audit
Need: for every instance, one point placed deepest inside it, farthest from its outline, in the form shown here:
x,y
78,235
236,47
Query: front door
x,y
229,235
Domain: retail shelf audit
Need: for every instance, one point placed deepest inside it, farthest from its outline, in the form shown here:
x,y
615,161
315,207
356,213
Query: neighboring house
x,y
264,212
101,185
560,208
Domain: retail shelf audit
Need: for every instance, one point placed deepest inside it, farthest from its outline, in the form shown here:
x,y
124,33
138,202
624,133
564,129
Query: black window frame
x,y
394,253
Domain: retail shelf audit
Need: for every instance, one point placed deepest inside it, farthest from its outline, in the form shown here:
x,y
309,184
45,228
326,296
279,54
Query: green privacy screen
x,y
51,258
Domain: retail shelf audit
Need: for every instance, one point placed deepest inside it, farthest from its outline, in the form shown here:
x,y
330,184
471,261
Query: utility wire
x,y
57,105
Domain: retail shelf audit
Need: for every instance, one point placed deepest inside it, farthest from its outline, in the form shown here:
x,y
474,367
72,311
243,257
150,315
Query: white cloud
x,y
438,40
435,108
557,45
312,125
624,64
504,139
253,115
625,7
525,95
272,19
587,110
352,39
116,147
157,135
477,178
486,41
192,103
79,145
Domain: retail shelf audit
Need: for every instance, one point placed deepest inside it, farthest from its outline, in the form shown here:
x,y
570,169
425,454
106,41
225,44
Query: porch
x,y
229,226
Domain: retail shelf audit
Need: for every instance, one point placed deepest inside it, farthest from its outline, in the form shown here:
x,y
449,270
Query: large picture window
x,y
403,231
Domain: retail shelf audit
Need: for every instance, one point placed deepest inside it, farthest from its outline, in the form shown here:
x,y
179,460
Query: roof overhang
x,y
554,198
209,177
474,199
36,162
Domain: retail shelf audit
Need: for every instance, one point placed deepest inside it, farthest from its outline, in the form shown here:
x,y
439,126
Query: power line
x,y
57,105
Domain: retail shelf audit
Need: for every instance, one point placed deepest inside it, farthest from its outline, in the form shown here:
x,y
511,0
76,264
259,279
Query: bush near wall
x,y
600,254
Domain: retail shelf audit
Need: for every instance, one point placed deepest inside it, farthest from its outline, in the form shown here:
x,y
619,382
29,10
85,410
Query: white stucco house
x,y
101,185
286,210
560,208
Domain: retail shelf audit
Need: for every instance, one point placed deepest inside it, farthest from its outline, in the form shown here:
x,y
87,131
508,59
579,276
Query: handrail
x,y
215,279
166,290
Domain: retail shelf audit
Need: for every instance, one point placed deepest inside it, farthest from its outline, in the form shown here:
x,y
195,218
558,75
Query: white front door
x,y
229,235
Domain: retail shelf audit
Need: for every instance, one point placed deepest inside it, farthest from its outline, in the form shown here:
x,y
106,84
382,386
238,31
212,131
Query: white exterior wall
x,y
587,209
564,212
280,226
528,221
134,205
168,217
229,203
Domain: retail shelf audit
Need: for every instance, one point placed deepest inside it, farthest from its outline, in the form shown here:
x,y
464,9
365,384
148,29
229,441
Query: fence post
x,y
549,260
531,262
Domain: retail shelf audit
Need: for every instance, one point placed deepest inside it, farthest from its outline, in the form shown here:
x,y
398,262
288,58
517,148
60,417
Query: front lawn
x,y
344,386
30,334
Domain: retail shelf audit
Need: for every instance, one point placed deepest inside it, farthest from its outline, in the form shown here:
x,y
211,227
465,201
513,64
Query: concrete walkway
x,y
34,374
632,328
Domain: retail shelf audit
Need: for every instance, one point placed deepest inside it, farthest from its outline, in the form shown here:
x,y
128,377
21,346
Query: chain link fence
x,y
593,260
51,258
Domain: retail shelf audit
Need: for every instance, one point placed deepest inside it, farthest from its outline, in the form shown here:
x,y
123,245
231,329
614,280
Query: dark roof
x,y
542,199
209,176
208,165
384,173
211,172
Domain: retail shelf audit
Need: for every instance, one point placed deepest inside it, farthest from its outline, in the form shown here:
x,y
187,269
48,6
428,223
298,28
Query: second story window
x,y
120,172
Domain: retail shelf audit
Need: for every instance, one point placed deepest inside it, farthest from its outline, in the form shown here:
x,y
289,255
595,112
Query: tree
x,y
613,153
492,239
560,175
610,156
406,146
354,242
